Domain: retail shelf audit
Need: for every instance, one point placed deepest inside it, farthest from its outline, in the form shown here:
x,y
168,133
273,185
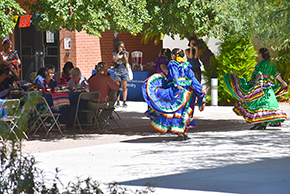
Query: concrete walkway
x,y
222,156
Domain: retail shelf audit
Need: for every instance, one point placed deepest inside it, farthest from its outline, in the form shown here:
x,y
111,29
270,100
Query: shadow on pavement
x,y
132,123
151,140
263,177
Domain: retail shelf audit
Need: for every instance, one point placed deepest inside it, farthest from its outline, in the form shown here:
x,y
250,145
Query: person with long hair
x,y
192,54
66,72
45,79
257,101
120,58
162,61
10,57
170,96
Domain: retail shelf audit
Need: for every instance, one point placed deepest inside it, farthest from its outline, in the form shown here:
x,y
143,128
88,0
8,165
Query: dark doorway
x,y
36,49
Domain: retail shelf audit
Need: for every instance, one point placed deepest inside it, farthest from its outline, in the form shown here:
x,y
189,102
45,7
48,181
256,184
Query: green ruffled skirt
x,y
257,102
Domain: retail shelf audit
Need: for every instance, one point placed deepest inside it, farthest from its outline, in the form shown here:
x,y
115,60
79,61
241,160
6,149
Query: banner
x,y
15,17
24,21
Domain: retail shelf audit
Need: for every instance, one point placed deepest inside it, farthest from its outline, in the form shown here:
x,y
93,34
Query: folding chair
x,y
43,112
9,117
112,97
86,96
33,76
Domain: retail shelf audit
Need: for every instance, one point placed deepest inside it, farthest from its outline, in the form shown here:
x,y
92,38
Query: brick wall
x,y
84,52
72,52
87,50
132,43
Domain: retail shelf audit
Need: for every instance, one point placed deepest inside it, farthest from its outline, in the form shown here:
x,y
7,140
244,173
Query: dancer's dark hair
x,y
265,53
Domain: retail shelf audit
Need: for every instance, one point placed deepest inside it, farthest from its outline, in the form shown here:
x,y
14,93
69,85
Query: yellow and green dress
x,y
257,101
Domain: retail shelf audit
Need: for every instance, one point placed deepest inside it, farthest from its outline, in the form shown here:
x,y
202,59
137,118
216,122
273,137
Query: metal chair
x,y
86,96
9,107
33,75
43,112
109,108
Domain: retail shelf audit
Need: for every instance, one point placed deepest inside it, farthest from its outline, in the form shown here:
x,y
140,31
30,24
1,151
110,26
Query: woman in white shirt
x,y
77,82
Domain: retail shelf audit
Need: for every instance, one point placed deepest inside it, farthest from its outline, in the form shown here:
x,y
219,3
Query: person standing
x,y
170,96
120,58
10,57
162,61
192,54
257,98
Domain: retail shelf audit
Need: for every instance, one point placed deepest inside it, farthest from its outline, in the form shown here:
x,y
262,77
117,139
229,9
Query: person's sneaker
x,y
117,104
124,104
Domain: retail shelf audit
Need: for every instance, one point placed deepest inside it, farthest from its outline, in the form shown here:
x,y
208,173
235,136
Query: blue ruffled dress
x,y
169,107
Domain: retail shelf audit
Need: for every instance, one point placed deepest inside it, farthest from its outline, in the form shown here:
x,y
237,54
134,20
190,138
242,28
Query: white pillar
x,y
214,91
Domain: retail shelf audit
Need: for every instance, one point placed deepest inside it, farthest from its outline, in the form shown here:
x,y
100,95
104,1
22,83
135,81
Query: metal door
x,y
36,49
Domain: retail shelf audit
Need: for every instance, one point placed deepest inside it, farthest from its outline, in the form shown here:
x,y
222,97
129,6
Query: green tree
x,y
238,57
228,19
90,15
265,20
8,8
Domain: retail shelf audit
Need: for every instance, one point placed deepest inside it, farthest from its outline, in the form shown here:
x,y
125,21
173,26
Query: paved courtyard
x,y
222,156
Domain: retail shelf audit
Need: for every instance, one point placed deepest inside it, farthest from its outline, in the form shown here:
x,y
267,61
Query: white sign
x,y
67,43
49,37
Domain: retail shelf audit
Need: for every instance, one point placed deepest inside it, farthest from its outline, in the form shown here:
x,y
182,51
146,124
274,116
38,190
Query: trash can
x,y
137,61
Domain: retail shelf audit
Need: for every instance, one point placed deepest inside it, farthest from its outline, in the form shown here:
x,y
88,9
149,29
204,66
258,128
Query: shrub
x,y
283,66
236,56
19,174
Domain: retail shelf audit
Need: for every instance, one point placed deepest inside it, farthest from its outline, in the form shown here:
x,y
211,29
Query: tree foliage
x,y
183,17
267,20
8,8
93,16
239,57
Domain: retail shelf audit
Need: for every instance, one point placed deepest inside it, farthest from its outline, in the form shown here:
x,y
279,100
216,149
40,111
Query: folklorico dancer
x,y
169,97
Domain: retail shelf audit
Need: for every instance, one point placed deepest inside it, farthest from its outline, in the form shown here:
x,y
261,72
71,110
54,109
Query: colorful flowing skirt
x,y
257,102
168,107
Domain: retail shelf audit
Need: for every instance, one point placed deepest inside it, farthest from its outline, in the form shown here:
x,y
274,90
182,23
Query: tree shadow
x,y
266,176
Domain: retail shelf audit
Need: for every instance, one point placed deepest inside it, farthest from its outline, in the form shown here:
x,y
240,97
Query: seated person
x,y
94,72
103,84
66,72
77,81
7,77
45,79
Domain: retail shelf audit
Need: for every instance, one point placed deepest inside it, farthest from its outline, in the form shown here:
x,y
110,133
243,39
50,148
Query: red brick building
x,y
36,49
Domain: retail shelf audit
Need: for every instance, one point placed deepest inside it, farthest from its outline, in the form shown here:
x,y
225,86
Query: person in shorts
x,y
120,58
